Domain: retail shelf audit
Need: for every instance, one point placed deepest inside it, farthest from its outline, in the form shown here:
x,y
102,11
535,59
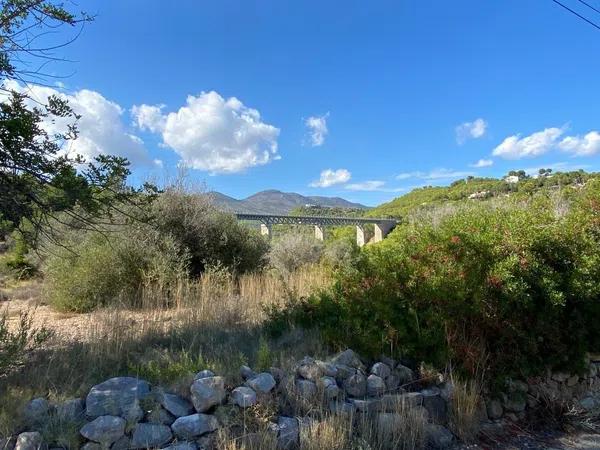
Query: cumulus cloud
x,y
536,144
435,174
587,145
371,185
482,163
330,177
101,128
213,133
317,129
470,130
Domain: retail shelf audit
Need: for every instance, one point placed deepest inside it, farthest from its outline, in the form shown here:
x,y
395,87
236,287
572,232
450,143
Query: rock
x,y
207,442
392,382
356,385
560,377
344,372
207,392
277,373
405,374
243,396
72,410
176,405
262,383
91,446
329,387
515,403
288,432
306,389
150,435
593,371
381,370
344,408
36,412
572,381
348,358
518,386
117,397
8,443
438,436
447,390
435,405
375,386
589,403
31,440
195,425
246,373
309,369
328,369
367,405
494,409
387,424
160,416
184,445
204,374
104,429
390,362
392,402
123,443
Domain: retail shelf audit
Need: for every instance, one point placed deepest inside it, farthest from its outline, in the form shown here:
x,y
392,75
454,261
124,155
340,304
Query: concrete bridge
x,y
382,226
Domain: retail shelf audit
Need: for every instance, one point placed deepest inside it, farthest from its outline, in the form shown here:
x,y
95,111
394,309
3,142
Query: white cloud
x,y
101,128
331,177
515,147
482,163
317,129
587,145
213,133
435,174
148,117
470,130
372,185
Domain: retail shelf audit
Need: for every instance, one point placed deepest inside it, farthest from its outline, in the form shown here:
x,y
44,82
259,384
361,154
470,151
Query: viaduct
x,y
382,226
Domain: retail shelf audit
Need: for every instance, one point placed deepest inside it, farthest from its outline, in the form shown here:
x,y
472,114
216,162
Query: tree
x,y
38,180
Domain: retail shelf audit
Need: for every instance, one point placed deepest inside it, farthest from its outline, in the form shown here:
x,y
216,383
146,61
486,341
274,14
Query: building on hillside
x,y
512,179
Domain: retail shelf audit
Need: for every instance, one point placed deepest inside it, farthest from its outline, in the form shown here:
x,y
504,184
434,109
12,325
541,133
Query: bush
x,y
92,269
292,251
17,343
210,237
516,282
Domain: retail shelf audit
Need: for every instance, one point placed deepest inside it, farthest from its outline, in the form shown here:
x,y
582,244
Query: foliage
x,y
292,251
17,260
515,282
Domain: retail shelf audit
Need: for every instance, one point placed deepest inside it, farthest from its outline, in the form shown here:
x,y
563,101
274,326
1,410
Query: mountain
x,y
277,202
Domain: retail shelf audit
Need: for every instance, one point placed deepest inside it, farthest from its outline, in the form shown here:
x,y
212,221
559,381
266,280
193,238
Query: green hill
x,y
480,189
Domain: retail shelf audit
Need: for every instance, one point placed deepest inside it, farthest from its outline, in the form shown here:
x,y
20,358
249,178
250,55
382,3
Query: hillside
x,y
478,189
277,202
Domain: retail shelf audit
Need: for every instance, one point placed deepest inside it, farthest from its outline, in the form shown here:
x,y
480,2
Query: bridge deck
x,y
272,219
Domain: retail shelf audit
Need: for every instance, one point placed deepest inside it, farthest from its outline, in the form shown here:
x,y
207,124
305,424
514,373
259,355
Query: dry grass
x,y
331,433
465,409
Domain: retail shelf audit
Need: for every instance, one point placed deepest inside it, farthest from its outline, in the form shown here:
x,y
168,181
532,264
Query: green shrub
x,y
17,259
292,251
516,283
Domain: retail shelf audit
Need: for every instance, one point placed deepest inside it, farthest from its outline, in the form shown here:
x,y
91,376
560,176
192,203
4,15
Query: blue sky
x,y
386,95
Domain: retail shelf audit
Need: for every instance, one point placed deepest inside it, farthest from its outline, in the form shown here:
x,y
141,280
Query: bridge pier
x,y
319,232
382,229
360,236
266,230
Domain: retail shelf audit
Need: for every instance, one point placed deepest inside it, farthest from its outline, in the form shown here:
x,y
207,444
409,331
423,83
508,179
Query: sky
x,y
363,100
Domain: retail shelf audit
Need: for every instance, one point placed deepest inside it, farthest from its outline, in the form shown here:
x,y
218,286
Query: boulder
x,y
344,372
208,392
343,408
123,443
277,373
375,386
150,435
348,358
117,397
288,432
176,405
589,403
36,412
91,446
381,370
392,382
572,381
72,410
392,402
494,409
560,377
405,374
246,373
367,405
204,374
438,436
160,416
183,445
435,405
356,385
31,440
104,429
195,425
243,396
328,369
306,389
309,369
262,383
329,387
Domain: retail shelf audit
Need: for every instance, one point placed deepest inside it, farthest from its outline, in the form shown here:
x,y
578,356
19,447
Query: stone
x,y
36,412
343,408
572,381
391,402
207,392
560,377
515,403
262,383
392,382
348,358
184,445
589,403
375,386
246,373
72,410
123,443
288,432
306,389
494,409
204,374
160,416
104,429
117,397
328,369
438,436
243,396
309,369
344,372
356,385
387,423
31,440
367,405
390,362
150,435
329,387
435,405
593,371
277,373
8,443
176,405
91,446
447,390
381,370
207,442
518,386
194,425
405,374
